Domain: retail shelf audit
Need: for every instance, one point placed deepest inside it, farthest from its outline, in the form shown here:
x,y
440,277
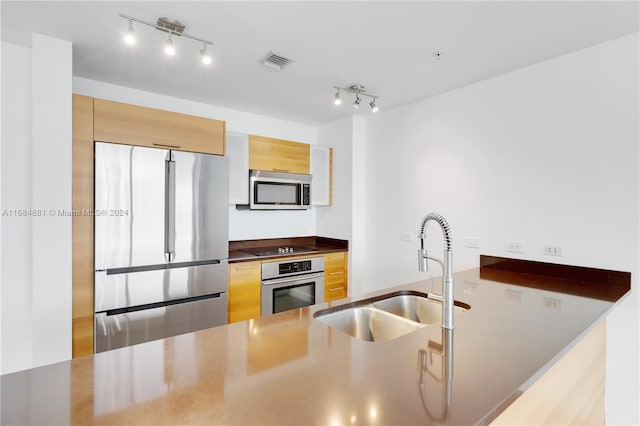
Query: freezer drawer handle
x,y
145,268
147,306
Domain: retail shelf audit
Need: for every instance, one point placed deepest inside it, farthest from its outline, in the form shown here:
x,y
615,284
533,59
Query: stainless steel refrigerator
x,y
161,243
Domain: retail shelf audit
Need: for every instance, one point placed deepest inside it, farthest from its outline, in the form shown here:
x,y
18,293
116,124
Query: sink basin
x,y
386,317
368,324
416,308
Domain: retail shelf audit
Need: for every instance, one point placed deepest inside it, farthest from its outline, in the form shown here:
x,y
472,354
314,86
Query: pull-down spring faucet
x,y
447,274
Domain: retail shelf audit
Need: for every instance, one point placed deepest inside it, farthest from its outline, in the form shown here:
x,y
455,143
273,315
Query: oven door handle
x,y
294,279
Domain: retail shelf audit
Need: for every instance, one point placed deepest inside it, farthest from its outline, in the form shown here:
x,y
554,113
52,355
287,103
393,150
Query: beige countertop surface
x,y
290,368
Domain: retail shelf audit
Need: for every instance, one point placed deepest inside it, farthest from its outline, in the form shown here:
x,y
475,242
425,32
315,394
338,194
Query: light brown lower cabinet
x,y
335,276
569,393
244,291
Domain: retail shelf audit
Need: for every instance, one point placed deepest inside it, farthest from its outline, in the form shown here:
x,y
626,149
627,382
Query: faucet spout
x,y
446,264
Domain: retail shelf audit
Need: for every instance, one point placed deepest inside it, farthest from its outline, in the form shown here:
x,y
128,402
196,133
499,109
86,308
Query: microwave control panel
x,y
306,189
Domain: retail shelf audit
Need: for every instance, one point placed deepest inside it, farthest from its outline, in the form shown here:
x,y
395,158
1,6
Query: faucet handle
x,y
423,263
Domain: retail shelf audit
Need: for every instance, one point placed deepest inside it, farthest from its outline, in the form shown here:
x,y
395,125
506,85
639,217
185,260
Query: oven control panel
x,y
283,268
291,267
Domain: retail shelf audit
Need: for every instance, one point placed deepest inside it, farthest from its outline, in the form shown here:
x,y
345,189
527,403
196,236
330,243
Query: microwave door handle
x,y
170,210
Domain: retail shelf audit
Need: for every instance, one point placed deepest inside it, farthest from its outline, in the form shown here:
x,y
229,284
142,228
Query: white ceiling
x,y
387,46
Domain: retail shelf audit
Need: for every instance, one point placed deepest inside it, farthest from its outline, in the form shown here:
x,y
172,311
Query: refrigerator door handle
x,y
170,211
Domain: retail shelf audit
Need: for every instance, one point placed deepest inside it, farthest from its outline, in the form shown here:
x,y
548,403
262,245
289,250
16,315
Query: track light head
x,y
356,103
206,59
130,35
168,47
374,107
336,98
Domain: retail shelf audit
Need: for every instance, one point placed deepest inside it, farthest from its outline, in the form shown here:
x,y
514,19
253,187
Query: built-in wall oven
x,y
292,284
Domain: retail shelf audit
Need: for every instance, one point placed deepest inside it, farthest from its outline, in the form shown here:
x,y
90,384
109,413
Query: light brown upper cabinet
x,y
277,155
135,125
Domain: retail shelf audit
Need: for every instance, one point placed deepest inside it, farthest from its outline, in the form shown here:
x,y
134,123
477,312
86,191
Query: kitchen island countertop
x,y
289,368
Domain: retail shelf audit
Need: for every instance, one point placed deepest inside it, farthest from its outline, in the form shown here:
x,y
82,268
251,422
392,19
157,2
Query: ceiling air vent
x,y
276,61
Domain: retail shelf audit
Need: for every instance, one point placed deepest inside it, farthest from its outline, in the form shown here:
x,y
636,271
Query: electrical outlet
x,y
406,236
514,296
514,246
552,303
553,250
471,242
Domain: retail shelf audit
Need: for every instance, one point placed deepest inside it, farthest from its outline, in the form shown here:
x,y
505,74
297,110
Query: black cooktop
x,y
278,251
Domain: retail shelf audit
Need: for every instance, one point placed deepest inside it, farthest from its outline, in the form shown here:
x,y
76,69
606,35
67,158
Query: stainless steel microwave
x,y
279,191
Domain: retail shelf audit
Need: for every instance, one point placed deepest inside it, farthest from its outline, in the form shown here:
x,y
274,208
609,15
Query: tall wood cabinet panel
x,y
135,125
335,276
244,290
278,155
82,226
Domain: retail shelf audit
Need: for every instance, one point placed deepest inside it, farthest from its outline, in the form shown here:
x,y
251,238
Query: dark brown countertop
x,y
290,368
316,245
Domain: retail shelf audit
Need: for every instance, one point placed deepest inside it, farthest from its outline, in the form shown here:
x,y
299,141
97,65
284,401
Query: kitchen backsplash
x,y
252,224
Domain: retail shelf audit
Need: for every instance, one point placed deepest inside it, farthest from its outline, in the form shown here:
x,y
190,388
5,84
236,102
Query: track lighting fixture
x,y
174,28
359,90
130,35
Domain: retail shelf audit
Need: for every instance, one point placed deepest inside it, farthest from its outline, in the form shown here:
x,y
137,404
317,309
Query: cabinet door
x,y
321,159
135,125
276,155
238,153
244,291
335,276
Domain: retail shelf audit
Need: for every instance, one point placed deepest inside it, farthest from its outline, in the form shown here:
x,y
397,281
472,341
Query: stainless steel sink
x,y
385,317
416,308
368,324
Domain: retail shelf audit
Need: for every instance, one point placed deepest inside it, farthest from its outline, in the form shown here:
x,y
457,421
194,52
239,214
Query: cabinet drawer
x,y
334,277
135,125
334,261
335,291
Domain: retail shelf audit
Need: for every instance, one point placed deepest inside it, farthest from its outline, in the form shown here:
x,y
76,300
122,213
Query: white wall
x,y
335,220
51,190
345,218
36,173
242,224
548,154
